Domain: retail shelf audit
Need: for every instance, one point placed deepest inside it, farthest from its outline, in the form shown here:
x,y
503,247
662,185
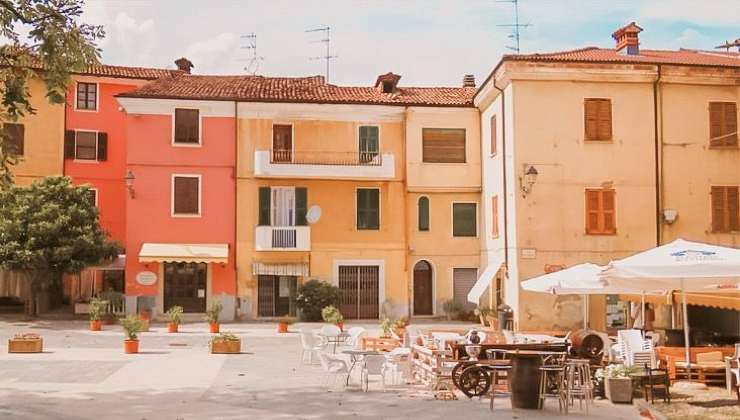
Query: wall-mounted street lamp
x,y
527,181
130,178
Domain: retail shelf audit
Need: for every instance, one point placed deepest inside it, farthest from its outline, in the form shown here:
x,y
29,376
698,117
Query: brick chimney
x,y
628,40
387,83
183,64
468,81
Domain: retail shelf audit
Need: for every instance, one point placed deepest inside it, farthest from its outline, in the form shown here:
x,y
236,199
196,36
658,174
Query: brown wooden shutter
x,y
733,209
102,147
264,206
592,211
443,145
605,119
493,135
186,195
718,209
69,144
608,212
715,123
591,123
730,120
186,126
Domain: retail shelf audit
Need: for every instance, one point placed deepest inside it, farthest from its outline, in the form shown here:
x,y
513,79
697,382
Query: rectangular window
x,y
601,216
15,138
598,119
423,209
187,126
92,195
725,209
186,195
443,145
494,216
464,219
493,136
368,209
722,124
369,143
86,145
87,96
282,143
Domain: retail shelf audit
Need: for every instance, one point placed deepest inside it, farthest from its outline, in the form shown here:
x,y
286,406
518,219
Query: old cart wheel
x,y
457,372
474,381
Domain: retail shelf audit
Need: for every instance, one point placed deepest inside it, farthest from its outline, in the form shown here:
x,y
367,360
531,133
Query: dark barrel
x,y
587,343
525,380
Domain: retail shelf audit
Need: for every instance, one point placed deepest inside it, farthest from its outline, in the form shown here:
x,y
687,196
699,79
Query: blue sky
x,y
432,42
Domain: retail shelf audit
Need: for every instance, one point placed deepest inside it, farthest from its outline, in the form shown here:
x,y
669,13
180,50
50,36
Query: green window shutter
x,y
423,214
464,219
301,203
264,209
368,209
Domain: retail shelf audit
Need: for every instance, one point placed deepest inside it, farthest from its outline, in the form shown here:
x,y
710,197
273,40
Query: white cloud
x,y
708,12
214,55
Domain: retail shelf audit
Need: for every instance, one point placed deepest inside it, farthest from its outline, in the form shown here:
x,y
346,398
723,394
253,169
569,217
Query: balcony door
x,y
282,143
283,216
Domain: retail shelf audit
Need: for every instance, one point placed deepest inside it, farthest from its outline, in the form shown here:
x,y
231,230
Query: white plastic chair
x,y
310,345
397,364
374,364
635,350
732,369
330,330
355,337
334,366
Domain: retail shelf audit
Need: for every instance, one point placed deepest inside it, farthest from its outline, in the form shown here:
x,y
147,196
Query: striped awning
x,y
280,269
197,253
729,300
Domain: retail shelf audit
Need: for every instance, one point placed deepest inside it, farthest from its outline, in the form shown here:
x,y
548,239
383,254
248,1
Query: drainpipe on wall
x,y
236,204
503,176
409,220
658,151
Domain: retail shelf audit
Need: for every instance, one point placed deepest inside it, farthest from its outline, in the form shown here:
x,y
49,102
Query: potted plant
x,y
96,308
617,382
226,343
283,324
174,314
386,326
451,308
332,315
131,327
399,327
212,316
145,314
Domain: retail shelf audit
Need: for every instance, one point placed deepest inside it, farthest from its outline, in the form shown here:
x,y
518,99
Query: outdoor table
x,y
647,380
525,377
333,339
355,356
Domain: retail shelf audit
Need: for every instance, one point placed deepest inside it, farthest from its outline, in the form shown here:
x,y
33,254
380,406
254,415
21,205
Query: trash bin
x,y
504,315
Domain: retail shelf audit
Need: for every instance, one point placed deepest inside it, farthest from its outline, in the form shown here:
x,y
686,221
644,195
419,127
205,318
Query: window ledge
x,y
190,145
84,160
186,216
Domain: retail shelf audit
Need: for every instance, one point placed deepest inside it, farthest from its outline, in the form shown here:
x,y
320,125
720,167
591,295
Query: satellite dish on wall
x,y
313,214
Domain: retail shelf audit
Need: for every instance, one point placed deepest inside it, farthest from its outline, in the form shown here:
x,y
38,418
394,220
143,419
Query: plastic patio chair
x,y
732,369
397,364
310,345
373,364
333,366
355,337
636,351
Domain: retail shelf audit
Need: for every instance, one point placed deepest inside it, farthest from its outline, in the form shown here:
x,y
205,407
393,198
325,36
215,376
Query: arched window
x,y
423,214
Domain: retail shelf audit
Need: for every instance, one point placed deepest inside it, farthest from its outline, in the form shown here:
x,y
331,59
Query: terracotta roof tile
x,y
146,73
296,89
606,55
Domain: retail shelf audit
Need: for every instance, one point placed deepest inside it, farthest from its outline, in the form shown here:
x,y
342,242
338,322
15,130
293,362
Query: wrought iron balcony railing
x,y
306,157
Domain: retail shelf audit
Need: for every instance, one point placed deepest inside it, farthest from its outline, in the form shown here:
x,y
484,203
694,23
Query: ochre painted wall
x,y
44,138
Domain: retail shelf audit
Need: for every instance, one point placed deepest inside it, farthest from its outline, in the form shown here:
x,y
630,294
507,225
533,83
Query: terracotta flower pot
x,y
130,346
282,327
95,325
145,315
214,327
172,327
340,325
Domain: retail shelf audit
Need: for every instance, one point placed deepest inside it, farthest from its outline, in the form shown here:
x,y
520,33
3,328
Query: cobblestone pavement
x,y
85,375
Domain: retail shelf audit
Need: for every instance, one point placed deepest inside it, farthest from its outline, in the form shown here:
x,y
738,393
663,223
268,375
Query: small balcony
x,y
282,238
323,164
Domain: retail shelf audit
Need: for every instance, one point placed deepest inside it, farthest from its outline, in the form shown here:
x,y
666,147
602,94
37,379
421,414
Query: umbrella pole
x,y
642,311
585,311
686,343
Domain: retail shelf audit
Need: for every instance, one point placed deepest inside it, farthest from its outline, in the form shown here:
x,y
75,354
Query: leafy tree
x,y
43,39
48,229
315,295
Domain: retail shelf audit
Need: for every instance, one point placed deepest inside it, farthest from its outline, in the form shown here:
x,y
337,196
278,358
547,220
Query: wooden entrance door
x,y
274,295
282,143
185,285
423,289
359,288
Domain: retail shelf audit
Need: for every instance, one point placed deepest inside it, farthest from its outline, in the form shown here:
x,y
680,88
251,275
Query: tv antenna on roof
x,y
326,40
254,61
727,45
515,27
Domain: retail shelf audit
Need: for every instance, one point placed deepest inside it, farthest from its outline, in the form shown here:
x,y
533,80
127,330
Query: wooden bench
x,y
668,356
380,343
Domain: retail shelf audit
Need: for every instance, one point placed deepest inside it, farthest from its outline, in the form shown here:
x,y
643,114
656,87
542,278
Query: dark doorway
x,y
185,285
274,295
423,289
114,280
359,288
282,143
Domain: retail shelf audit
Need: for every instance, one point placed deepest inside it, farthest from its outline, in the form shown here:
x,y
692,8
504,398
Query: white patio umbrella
x,y
581,279
680,265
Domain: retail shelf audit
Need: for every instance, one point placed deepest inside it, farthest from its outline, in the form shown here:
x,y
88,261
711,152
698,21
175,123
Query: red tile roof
x,y
607,55
296,89
146,73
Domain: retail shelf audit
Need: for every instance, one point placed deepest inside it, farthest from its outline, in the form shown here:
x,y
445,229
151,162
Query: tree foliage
x,y
313,296
50,227
44,39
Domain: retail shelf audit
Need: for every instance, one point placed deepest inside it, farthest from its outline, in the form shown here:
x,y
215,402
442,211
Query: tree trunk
x,y
37,279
